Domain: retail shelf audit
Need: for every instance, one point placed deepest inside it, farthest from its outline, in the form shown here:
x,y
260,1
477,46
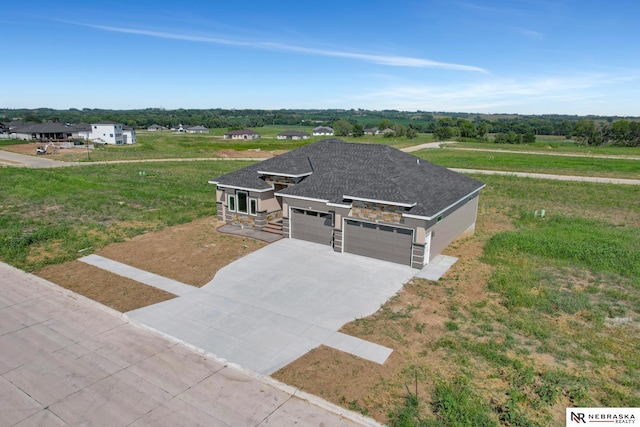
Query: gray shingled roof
x,y
47,127
242,132
293,133
343,170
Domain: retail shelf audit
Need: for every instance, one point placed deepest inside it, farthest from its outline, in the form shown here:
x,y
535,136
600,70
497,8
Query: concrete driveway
x,y
274,305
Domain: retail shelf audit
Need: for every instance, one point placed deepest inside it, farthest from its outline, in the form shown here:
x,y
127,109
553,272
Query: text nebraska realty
x,y
581,417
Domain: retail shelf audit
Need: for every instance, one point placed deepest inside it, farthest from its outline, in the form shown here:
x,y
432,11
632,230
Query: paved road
x,y
66,360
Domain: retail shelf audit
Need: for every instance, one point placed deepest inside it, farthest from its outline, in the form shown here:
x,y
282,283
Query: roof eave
x,y
386,202
237,187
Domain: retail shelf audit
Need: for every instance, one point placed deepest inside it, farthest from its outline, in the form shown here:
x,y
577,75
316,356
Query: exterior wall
x,y
268,209
129,137
242,136
459,221
107,133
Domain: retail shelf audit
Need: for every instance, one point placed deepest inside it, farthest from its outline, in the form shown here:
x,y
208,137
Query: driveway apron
x,y
274,305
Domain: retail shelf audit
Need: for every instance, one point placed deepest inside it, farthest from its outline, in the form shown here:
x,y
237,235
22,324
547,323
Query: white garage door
x,y
311,225
378,241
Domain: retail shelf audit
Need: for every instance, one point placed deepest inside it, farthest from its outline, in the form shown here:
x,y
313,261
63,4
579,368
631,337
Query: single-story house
x,y
322,131
242,134
366,199
197,129
48,131
155,128
372,131
293,134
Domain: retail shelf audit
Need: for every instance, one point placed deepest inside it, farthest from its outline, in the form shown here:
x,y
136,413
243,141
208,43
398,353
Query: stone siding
x,y
377,212
240,220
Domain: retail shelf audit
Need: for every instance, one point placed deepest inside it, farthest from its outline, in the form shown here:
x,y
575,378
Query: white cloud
x,y
391,60
570,94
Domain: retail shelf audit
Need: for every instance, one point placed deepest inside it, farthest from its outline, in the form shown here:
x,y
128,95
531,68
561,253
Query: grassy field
x,y
556,323
48,215
554,144
516,162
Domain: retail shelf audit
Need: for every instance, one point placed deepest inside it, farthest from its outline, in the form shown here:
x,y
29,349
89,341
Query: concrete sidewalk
x,y
66,360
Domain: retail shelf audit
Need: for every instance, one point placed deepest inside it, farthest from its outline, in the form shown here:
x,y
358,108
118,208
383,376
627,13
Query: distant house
x,y
81,131
197,129
155,128
293,134
372,131
48,131
128,135
386,131
107,133
322,131
242,134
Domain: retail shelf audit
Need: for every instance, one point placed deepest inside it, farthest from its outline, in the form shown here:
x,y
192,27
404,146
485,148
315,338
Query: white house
x,y
197,129
322,131
107,133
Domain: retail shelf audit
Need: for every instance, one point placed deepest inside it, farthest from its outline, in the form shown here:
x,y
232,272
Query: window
x,y
111,135
242,202
253,206
439,218
231,203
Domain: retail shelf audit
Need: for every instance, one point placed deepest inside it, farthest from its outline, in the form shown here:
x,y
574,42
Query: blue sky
x,y
528,56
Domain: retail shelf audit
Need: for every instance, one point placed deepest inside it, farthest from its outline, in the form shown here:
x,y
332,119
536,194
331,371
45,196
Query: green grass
x,y
553,144
514,162
48,215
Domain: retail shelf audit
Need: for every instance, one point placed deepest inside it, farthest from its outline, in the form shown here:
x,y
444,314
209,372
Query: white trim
x,y
235,202
386,202
233,187
429,218
288,175
300,197
253,199
427,249
339,205
246,201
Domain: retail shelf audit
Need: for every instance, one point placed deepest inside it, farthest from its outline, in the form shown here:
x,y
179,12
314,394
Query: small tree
x,y
342,127
411,133
358,130
529,138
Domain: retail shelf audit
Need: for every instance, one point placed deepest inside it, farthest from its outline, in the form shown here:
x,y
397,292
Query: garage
x,y
313,226
378,241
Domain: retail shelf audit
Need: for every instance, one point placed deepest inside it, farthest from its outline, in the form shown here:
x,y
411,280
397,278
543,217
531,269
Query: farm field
x,y
537,314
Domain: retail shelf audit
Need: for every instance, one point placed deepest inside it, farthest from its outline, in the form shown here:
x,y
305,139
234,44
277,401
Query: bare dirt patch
x,y
61,153
189,253
115,291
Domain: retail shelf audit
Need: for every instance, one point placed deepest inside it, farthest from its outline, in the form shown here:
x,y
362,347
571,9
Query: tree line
x,y
513,129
